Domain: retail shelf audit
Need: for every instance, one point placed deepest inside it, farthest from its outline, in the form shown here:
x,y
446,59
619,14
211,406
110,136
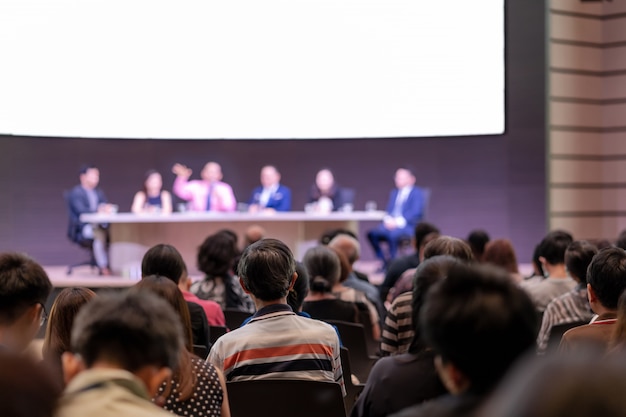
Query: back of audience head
x,y
428,273
253,234
164,260
60,320
136,332
216,255
446,245
606,277
267,269
552,247
578,256
166,289
26,389
478,322
500,252
24,289
562,385
423,229
323,267
477,239
347,245
300,289
537,266
331,234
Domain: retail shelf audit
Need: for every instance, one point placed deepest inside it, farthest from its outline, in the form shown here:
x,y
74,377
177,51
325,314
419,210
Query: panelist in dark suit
x,y
88,198
326,196
404,210
271,196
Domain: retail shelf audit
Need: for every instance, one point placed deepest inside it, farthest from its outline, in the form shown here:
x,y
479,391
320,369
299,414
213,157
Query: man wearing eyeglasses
x,y
24,289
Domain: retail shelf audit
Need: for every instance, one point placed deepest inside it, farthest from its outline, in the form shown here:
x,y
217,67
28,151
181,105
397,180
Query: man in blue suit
x,y
404,210
271,196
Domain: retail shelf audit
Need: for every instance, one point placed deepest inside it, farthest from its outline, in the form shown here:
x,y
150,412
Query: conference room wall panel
x,y
590,8
593,227
576,115
576,86
615,58
492,182
581,200
614,30
575,57
588,144
581,171
576,29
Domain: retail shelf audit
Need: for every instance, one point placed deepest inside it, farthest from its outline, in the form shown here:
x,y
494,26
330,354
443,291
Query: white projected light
x,y
251,69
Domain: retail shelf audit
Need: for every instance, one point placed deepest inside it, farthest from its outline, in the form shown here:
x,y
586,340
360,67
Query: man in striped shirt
x,y
276,343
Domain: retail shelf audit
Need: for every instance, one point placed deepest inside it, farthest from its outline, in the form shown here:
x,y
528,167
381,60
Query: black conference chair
x,y
352,390
557,332
285,398
76,238
234,318
353,338
216,332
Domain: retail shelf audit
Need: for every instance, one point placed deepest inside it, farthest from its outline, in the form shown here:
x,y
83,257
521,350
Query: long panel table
x,y
133,234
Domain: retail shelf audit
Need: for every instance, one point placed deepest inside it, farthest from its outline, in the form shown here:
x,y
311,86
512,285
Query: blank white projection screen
x,y
248,69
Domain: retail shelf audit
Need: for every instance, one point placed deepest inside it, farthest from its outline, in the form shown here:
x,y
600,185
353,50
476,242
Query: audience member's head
x,y
500,252
345,266
621,240
166,289
347,245
428,273
552,247
425,241
477,239
24,289
478,322
423,229
331,234
557,386
537,267
300,289
267,270
606,279
136,332
446,245
60,322
26,389
324,268
578,256
253,234
164,260
217,254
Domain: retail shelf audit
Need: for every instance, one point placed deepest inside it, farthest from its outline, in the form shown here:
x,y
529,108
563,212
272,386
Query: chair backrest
x,y
234,318
201,351
353,338
215,332
352,390
285,398
556,333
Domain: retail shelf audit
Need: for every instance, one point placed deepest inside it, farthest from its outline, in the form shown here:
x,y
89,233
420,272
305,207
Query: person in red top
x,y
214,313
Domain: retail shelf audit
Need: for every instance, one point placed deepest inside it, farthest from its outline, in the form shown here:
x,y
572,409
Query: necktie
x,y
208,199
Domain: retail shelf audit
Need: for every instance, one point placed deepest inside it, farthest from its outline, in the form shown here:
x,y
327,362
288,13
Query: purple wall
x,y
496,183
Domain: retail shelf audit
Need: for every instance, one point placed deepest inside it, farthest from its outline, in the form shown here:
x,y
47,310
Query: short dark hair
x,y
553,246
426,275
266,269
423,229
216,255
86,167
324,268
331,234
477,240
447,245
607,276
164,260
300,289
23,283
578,256
480,321
129,329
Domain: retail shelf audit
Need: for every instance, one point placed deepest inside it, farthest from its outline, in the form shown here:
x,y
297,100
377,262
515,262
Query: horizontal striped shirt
x,y
278,344
398,329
